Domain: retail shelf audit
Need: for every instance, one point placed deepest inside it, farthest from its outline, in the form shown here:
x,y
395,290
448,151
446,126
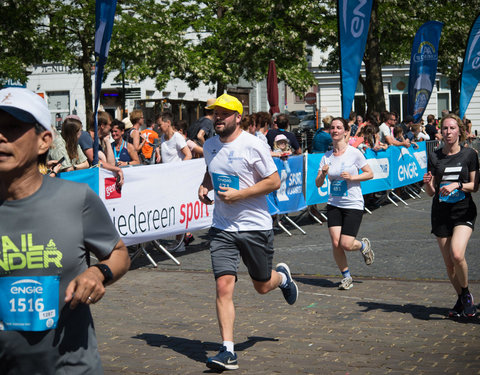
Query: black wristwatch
x,y
106,272
460,185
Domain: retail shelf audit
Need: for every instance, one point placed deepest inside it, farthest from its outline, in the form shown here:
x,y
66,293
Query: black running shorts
x,y
347,218
446,216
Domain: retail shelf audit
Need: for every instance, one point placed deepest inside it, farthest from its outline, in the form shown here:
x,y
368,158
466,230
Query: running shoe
x,y
290,291
223,361
346,283
367,252
469,309
188,239
457,310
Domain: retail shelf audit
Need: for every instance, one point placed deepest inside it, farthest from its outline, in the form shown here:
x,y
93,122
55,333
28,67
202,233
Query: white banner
x,y
156,201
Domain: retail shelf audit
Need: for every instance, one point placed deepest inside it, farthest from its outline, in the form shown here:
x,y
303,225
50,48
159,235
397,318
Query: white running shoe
x,y
367,252
346,283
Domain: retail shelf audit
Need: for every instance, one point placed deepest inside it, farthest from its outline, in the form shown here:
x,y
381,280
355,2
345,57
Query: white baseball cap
x,y
25,106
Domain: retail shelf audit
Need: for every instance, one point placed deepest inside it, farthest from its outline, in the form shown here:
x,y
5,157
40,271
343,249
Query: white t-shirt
x,y
262,137
422,136
344,194
244,161
384,131
171,150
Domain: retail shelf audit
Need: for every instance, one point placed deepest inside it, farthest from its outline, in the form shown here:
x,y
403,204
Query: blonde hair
x,y
135,116
327,119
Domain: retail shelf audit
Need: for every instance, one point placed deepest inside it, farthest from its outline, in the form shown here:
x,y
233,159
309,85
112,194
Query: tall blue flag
x,y
471,67
104,17
423,67
353,24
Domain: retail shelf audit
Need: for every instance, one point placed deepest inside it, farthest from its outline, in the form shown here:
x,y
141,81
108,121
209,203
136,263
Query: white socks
x,y
283,283
229,346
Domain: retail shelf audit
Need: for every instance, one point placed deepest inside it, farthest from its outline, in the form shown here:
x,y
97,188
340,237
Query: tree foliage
x,y
237,38
222,41
149,36
396,24
22,38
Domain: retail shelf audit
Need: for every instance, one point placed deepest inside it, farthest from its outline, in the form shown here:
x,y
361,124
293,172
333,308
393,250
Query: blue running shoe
x,y
457,310
223,361
290,291
469,309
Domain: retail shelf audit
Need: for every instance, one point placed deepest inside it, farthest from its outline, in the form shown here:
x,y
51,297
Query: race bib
x,y
338,188
29,303
224,180
454,197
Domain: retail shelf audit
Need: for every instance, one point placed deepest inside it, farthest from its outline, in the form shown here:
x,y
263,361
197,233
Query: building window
x,y
443,100
59,106
398,103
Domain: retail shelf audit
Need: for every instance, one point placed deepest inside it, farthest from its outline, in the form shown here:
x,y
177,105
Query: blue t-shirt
x,y
122,154
85,141
322,141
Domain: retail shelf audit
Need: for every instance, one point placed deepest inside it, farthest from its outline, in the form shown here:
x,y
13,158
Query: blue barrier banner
x,y
379,161
272,204
353,23
87,176
289,198
392,168
314,195
423,67
408,165
471,67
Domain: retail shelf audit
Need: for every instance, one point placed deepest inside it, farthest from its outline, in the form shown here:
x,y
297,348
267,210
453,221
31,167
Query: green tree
x,y
22,38
71,27
237,38
393,26
149,36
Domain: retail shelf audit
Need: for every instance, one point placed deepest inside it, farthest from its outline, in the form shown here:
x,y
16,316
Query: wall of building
x,y
64,93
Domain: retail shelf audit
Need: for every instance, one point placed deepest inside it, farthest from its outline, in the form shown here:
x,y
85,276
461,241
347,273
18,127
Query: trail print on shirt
x,y
25,254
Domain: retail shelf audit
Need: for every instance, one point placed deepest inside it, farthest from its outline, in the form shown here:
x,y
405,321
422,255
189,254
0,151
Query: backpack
x,y
127,136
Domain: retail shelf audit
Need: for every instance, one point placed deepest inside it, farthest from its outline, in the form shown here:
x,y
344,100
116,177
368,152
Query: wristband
x,y
106,272
460,185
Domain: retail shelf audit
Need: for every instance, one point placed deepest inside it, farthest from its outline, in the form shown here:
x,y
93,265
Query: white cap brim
x,y
25,106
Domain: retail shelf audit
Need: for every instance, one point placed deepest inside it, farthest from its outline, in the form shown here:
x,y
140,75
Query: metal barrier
x,y
433,145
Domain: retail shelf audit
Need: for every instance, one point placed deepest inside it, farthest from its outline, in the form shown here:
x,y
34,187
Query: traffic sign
x,y
310,98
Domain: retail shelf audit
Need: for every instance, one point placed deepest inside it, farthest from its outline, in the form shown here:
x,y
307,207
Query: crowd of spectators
x,y
136,140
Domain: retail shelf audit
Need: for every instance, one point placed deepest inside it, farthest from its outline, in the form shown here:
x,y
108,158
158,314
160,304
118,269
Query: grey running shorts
x,y
254,247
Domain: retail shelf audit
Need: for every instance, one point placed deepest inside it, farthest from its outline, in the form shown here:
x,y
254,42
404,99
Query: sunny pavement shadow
x,y
195,349
417,311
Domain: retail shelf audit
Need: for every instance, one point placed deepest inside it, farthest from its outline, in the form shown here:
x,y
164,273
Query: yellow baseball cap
x,y
228,102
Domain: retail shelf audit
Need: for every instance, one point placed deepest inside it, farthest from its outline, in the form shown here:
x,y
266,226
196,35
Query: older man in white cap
x,y
46,284
241,171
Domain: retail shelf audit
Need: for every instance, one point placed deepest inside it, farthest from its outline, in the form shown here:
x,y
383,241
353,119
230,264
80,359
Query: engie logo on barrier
x,y
408,171
111,191
407,168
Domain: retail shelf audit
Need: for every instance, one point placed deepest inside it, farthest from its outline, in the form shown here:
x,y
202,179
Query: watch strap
x,y
106,272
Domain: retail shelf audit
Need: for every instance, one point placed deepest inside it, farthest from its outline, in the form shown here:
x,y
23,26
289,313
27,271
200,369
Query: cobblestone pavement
x,y
162,320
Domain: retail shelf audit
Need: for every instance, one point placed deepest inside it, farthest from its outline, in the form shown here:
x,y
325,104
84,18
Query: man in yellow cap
x,y
241,172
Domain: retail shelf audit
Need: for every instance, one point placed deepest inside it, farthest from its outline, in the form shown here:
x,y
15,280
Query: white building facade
x,y
63,90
